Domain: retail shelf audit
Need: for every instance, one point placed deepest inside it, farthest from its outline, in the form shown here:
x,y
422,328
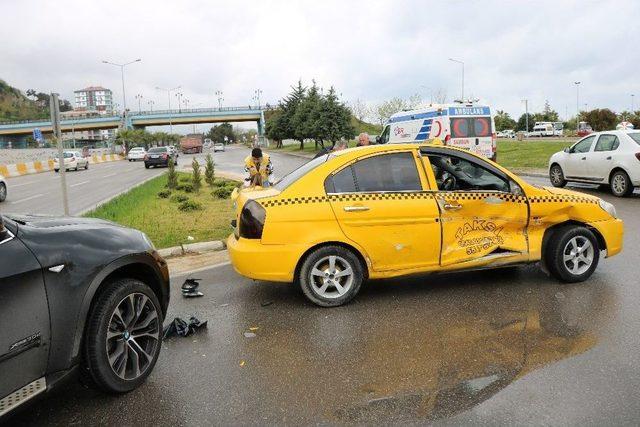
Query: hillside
x,y
14,105
361,126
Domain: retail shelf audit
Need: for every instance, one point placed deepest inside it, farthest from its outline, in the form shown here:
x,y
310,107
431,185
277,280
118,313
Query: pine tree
x,y
172,176
209,170
196,176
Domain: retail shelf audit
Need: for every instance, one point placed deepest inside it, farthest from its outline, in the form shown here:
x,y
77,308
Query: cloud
x,y
370,50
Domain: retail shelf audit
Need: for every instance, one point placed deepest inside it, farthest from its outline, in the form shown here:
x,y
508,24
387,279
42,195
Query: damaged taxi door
x,y
484,214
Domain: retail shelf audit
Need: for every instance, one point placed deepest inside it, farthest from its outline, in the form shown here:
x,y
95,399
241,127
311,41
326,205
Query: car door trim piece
x,y
22,395
11,236
56,268
22,345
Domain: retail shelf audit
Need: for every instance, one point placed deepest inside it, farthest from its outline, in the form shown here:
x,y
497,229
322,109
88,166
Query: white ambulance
x,y
466,126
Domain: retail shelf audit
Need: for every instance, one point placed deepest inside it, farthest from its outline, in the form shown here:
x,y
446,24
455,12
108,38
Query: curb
x,y
29,168
215,245
287,153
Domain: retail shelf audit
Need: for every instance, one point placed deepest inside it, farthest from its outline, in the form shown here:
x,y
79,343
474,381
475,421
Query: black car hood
x,y
46,221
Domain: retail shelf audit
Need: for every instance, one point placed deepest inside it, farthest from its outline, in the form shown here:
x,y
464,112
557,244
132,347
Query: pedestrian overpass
x,y
137,120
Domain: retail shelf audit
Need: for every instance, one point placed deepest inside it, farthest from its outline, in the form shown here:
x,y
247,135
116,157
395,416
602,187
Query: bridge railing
x,y
195,110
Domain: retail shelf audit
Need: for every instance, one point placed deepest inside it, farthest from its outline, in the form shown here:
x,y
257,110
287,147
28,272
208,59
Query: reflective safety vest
x,y
264,168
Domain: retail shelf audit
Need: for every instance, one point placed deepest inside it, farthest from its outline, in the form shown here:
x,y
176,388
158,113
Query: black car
x,y
160,156
77,295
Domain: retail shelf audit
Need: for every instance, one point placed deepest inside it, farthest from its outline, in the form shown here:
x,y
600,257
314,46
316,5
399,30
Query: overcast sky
x,y
372,50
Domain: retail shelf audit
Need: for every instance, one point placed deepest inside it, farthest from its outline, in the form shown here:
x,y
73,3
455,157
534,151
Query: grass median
x,y
169,217
528,154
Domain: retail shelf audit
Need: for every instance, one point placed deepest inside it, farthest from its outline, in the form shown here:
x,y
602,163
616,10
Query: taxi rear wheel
x,y
331,276
572,254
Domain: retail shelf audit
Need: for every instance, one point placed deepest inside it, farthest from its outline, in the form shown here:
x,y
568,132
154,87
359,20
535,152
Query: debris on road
x,y
266,303
190,288
178,327
249,334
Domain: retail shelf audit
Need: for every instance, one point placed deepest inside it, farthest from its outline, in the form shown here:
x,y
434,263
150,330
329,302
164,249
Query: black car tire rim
x,y
133,336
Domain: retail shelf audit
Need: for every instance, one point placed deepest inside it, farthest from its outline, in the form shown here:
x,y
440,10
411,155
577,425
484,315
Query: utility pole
x,y
54,106
461,63
577,105
526,115
169,97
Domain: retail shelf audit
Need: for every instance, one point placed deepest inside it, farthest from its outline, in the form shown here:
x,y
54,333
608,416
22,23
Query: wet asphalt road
x,y
504,347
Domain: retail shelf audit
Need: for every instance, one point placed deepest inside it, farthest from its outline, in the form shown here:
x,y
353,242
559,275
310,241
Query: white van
x,y
541,129
466,126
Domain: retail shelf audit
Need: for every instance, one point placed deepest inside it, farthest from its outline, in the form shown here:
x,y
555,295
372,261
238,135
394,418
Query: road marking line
x,y
80,183
24,183
26,199
107,176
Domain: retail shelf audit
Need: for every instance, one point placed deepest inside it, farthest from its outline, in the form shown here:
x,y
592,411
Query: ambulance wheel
x,y
331,276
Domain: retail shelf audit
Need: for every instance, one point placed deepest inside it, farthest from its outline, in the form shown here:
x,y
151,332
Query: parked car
x,y
218,146
384,211
610,157
79,295
507,133
72,160
160,156
3,189
136,153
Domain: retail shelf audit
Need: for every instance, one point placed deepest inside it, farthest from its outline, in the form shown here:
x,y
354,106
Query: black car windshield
x,y
635,136
292,177
158,150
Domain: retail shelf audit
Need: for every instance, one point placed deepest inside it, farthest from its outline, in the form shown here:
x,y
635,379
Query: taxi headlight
x,y
609,208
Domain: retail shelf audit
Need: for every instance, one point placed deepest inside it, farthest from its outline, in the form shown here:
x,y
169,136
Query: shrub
x,y
179,198
172,176
164,194
219,182
222,192
190,205
209,171
185,179
232,184
187,188
196,176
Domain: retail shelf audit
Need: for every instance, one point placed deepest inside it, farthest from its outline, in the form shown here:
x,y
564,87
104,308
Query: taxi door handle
x,y
451,206
356,208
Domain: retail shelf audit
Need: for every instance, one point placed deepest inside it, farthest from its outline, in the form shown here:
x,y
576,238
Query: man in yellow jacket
x,y
259,167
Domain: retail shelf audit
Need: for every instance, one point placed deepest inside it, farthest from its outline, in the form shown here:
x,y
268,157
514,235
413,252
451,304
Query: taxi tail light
x,y
252,220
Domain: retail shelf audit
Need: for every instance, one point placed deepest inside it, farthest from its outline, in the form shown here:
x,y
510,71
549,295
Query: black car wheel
x,y
556,176
122,340
331,276
146,166
86,166
572,254
620,184
3,191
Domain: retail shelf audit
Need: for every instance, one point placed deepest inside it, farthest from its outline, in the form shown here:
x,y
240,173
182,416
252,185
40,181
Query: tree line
x,y
310,113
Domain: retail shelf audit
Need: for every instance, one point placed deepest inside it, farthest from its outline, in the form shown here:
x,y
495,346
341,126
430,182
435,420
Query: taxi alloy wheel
x,y
331,276
556,176
572,254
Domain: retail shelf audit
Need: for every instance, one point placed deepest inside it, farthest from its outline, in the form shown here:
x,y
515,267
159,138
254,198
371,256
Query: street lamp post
x,y
179,96
169,97
220,99
577,105
526,116
632,106
257,94
150,102
139,98
461,63
124,96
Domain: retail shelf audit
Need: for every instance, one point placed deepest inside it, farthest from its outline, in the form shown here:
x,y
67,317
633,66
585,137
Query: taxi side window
x,y
607,143
386,172
456,174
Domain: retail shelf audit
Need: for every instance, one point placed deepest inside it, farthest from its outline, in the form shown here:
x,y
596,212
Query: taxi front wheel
x,y
331,276
572,254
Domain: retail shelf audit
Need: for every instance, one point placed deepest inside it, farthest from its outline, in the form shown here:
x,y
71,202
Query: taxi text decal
x,y
479,235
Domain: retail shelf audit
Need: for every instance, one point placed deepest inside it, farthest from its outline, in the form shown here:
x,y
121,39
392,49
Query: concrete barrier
x,y
19,169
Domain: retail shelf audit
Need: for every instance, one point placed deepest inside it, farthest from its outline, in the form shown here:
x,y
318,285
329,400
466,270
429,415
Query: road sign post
x,y
54,106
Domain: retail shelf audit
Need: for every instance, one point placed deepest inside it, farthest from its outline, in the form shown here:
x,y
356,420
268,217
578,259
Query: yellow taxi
x,y
392,210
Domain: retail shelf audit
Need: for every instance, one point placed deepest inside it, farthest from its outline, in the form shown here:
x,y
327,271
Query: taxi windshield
x,y
292,177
